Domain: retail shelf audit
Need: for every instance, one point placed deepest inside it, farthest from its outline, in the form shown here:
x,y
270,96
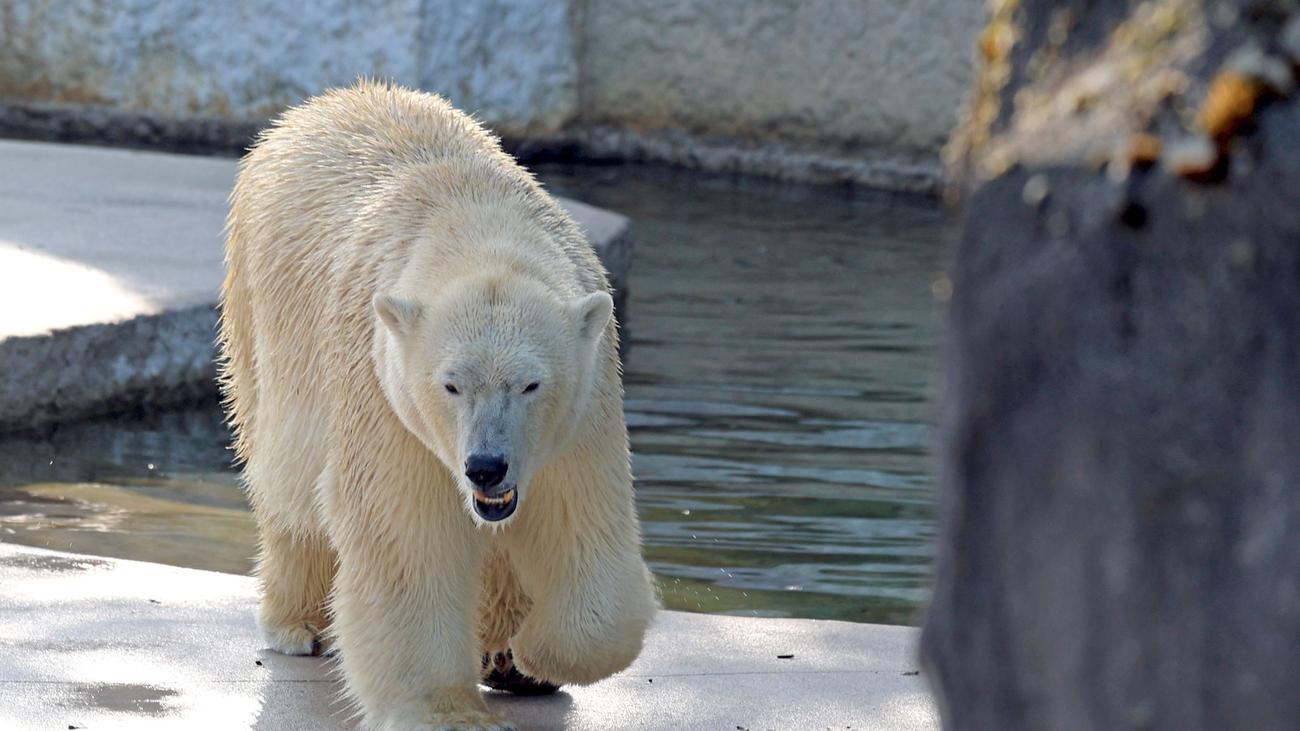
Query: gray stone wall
x,y
820,89
830,73
511,62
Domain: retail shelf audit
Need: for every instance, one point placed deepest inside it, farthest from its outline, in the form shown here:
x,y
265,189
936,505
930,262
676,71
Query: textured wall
x,y
872,73
809,89
510,61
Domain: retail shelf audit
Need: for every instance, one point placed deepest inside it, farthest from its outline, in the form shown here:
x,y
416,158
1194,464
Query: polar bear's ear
x,y
399,315
592,313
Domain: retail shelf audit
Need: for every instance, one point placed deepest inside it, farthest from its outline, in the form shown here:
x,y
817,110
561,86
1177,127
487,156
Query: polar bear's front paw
x,y
454,721
553,660
295,639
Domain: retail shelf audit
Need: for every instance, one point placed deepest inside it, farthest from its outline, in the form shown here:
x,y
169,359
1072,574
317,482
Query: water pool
x,y
778,390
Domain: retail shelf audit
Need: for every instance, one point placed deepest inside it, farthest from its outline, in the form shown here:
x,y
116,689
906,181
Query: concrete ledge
x,y
909,171
149,360
110,267
886,169
102,643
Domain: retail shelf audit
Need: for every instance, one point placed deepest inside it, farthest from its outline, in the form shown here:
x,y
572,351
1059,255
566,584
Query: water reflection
x,y
777,391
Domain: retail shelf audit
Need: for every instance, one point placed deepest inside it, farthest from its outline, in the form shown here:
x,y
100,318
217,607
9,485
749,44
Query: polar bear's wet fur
x,y
420,365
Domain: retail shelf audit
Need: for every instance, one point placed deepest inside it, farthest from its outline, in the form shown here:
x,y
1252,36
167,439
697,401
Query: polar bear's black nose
x,y
486,470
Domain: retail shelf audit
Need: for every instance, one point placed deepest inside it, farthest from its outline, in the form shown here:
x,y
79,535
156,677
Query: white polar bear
x,y
420,364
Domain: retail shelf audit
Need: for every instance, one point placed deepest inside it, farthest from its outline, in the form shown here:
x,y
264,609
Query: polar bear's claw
x,y
503,675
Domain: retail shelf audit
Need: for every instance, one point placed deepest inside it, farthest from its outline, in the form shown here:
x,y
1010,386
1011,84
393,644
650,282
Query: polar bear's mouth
x,y
496,508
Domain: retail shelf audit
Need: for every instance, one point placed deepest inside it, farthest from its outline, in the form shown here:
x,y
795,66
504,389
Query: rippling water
x,y
777,394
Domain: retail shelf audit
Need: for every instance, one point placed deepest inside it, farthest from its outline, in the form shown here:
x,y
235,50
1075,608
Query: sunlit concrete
x,y
40,292
110,267
98,643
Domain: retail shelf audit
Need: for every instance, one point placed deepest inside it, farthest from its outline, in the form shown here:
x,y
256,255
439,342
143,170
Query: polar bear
x,y
420,365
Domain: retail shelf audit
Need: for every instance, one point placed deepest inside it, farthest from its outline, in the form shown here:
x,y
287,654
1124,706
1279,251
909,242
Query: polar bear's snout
x,y
486,471
494,498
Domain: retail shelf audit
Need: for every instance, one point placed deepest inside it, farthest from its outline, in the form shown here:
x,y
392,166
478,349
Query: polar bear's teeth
x,y
505,499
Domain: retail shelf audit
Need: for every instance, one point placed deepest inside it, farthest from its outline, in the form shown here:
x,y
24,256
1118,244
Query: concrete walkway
x,y
110,265
94,643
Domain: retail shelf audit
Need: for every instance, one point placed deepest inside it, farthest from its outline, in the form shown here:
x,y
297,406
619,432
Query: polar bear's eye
x,y
451,389
531,387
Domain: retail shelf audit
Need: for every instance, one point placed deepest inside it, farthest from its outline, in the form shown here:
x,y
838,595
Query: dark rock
x,y
1120,441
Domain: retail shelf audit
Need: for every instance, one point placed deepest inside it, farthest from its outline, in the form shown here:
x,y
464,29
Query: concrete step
x,y
97,643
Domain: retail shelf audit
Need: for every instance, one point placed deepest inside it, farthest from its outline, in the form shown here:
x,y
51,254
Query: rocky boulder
x,y
1120,419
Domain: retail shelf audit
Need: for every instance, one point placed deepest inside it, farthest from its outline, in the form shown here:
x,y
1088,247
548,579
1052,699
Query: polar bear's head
x,y
494,375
